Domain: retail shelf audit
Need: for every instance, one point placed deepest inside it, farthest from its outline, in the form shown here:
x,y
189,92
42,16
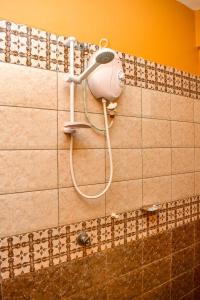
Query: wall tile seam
x,y
24,192
188,294
99,183
139,269
142,169
184,249
30,107
156,261
194,152
50,189
157,287
196,266
125,274
32,149
115,148
184,273
143,117
22,107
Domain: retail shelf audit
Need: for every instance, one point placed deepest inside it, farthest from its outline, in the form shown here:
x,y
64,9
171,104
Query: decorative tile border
x,y
32,251
20,44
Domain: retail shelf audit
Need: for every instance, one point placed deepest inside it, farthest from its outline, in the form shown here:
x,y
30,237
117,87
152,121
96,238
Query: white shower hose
x,y
110,159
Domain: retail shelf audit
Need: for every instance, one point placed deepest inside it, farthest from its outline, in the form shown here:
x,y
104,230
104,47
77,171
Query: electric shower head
x,y
107,77
101,57
104,56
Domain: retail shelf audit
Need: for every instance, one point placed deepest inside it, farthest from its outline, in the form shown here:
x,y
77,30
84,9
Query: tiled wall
x,y
156,153
155,140
161,267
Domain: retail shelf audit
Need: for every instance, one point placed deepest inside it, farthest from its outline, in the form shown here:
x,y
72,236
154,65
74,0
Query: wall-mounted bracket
x,y
152,208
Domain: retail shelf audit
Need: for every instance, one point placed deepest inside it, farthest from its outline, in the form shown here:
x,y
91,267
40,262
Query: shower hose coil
x,y
109,154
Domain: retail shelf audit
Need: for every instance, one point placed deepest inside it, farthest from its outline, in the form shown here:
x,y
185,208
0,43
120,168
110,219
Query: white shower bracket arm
x,y
81,77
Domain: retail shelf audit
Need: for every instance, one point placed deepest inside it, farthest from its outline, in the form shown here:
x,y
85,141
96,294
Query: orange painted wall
x,y
197,23
158,30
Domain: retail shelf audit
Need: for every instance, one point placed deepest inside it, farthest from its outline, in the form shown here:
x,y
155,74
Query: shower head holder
x,y
70,127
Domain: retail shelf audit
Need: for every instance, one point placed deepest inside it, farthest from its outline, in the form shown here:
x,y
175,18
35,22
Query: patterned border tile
x,y
32,251
20,44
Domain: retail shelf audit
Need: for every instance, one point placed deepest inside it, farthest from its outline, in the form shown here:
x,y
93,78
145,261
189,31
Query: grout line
x,y
100,113
29,107
185,248
142,204
171,183
142,147
171,192
157,287
194,186
100,148
106,256
49,189
188,271
152,177
194,251
188,294
92,184
152,148
171,265
58,179
157,260
54,149
2,289
195,171
134,116
24,192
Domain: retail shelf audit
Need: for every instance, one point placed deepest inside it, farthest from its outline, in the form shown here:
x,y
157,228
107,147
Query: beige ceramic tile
x,y
196,110
182,108
27,170
182,186
197,135
197,159
26,86
197,183
129,103
124,196
24,212
127,164
28,128
84,137
182,134
74,208
182,160
156,133
155,104
93,105
89,167
156,162
126,132
156,190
